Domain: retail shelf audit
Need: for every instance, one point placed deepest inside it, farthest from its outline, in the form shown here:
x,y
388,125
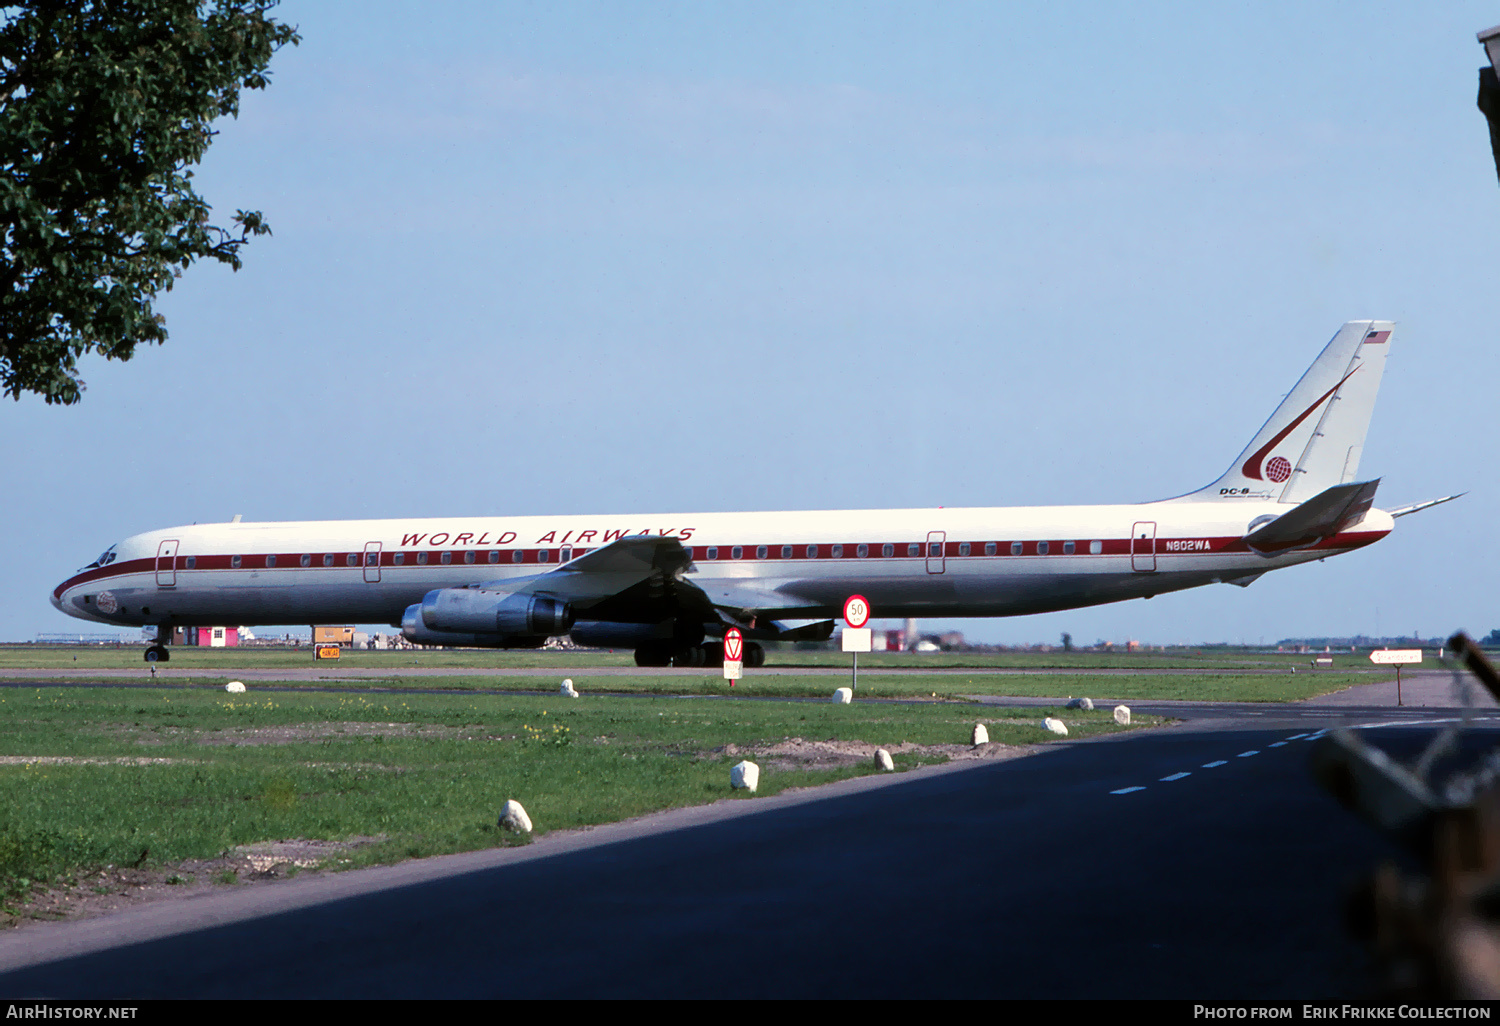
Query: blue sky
x,y
575,258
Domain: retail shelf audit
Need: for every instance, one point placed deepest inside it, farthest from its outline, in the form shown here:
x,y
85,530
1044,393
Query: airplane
x,y
664,584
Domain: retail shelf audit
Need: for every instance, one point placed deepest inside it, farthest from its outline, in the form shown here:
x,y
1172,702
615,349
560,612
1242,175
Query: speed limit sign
x,y
734,653
856,611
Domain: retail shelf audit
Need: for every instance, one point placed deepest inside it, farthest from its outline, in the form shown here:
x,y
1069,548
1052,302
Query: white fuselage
x,y
914,562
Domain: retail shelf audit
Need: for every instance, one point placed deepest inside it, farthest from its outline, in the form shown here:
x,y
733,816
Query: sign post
x,y
1396,657
856,637
734,654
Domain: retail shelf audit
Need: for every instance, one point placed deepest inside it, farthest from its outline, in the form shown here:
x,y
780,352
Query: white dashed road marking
x,y
1245,755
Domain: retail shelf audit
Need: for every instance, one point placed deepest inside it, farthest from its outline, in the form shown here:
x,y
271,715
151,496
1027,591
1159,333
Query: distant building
x,y
208,637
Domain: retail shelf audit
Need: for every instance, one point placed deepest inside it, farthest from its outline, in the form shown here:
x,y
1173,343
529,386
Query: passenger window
x,y
270,561
306,559
1068,548
542,555
761,551
567,554
712,552
1096,547
399,559
934,549
494,555
1015,548
422,558
192,561
812,552
887,549
446,558
862,551
328,559
1042,548
914,549
836,551
516,555
963,548
989,548
737,552
786,552
234,562
352,559
468,557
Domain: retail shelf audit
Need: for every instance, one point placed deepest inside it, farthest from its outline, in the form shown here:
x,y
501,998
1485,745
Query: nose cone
x,y
60,601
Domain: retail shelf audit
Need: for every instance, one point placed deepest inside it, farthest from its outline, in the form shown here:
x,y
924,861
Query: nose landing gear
x,y
158,654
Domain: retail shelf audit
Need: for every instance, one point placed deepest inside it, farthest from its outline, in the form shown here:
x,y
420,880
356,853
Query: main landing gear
x,y
710,653
158,654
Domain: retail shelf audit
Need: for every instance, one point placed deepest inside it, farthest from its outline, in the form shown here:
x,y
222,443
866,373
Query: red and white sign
x,y
1396,656
734,653
856,611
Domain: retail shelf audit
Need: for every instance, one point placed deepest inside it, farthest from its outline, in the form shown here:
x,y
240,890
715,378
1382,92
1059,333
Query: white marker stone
x,y
513,817
981,735
883,759
1057,727
843,696
1122,715
235,687
567,688
1081,703
745,774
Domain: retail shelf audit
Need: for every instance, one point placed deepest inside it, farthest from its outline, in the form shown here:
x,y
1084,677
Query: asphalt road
x,y
1197,861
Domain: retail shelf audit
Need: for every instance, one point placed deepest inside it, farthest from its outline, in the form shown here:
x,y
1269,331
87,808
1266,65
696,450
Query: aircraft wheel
x,y
158,654
713,653
755,655
689,657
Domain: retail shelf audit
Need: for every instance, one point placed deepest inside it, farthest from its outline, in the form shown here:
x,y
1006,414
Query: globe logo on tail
x,y
1278,469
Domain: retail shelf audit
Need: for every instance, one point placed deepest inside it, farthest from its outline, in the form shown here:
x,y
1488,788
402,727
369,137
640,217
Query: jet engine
x,y
602,634
416,632
473,610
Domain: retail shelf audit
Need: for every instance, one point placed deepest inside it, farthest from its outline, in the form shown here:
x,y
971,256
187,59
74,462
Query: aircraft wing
x,y
1327,513
637,579
643,579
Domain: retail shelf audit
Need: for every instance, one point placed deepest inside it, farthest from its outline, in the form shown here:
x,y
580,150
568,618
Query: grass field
x,y
1208,687
155,777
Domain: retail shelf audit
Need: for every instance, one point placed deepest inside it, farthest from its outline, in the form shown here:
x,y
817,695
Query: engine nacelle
x,y
474,611
413,630
603,634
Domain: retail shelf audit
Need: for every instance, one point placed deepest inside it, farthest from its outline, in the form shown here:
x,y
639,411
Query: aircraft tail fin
x,y
1314,439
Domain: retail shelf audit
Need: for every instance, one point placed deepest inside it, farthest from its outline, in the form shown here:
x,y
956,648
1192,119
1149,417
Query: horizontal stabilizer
x,y
1417,507
1325,514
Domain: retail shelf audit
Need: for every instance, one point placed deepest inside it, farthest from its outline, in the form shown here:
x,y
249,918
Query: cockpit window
x,y
105,558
